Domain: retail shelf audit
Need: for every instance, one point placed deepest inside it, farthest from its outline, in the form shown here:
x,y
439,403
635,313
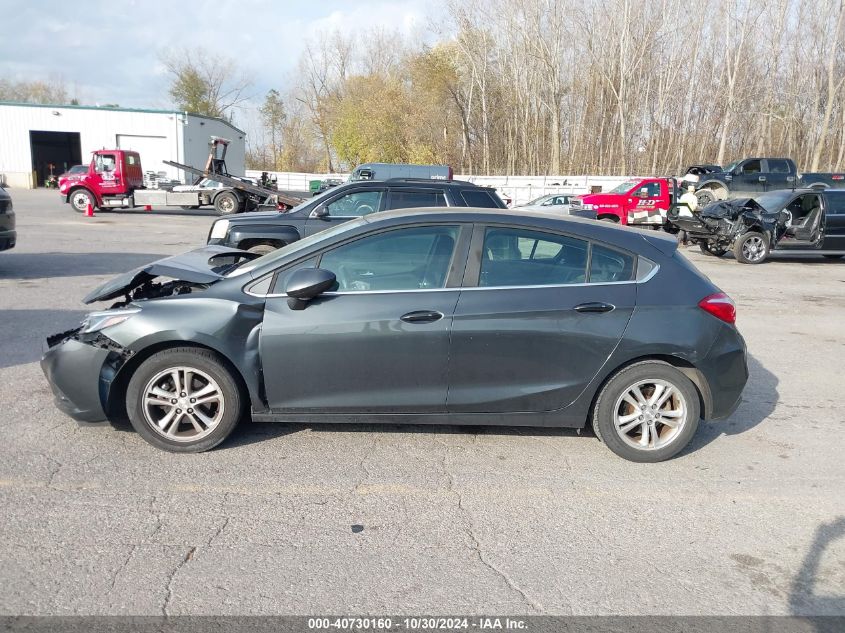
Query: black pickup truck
x,y
757,175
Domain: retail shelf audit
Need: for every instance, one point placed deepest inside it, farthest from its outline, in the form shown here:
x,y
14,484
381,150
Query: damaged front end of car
x,y
73,357
717,226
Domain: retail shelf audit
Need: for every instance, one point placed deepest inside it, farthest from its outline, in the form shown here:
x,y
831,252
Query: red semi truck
x,y
639,202
115,180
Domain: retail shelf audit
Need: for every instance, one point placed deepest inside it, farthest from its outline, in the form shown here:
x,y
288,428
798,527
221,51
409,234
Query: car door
x,y
834,213
380,342
778,174
750,177
539,315
351,204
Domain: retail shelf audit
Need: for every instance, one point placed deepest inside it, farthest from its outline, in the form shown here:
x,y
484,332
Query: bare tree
x,y
205,83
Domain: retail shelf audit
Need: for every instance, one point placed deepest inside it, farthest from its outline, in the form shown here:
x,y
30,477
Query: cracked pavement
x,y
748,520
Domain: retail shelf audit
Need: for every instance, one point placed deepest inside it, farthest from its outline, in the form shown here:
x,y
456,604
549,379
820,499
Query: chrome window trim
x,y
476,288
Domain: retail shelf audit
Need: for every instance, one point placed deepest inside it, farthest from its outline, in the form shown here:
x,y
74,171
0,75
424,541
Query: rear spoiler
x,y
666,244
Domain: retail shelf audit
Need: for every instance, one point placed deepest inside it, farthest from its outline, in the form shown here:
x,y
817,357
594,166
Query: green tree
x,y
369,121
273,116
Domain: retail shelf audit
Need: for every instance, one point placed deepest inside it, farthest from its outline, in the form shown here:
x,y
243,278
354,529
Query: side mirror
x,y
307,283
320,212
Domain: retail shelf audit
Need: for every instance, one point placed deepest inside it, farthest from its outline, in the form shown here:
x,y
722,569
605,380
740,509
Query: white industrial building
x,y
34,137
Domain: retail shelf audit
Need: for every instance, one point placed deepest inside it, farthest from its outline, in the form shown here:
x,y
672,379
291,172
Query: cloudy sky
x,y
108,51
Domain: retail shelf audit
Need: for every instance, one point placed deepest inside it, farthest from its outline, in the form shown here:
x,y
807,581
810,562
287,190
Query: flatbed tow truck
x,y
115,181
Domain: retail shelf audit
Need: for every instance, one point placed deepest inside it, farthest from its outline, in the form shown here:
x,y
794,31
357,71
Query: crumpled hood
x,y
199,266
731,209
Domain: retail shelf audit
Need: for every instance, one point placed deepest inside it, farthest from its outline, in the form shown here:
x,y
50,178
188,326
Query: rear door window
x,y
400,199
480,198
778,166
522,257
609,265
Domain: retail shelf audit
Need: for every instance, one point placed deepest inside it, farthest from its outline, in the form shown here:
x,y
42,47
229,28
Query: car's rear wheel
x,y
707,249
751,248
647,412
608,218
80,199
183,400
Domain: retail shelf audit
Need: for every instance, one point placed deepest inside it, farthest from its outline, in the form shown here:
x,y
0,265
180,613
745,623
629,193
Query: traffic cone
x,y
148,207
89,211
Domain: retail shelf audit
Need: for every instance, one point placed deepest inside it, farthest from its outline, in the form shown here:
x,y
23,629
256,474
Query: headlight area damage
x,y
73,356
187,272
718,225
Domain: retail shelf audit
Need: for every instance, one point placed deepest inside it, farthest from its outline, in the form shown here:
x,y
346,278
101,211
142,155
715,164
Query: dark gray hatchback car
x,y
419,315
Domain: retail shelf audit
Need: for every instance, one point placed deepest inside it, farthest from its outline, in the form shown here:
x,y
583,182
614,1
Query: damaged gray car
x,y
797,221
455,316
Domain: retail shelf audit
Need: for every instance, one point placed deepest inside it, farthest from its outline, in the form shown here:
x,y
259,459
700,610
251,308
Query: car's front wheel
x,y
183,400
751,248
80,199
647,412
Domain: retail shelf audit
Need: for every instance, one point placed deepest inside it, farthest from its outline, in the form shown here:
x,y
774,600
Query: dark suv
x,y
264,232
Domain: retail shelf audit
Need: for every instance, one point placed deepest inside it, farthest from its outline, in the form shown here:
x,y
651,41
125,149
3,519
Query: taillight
x,y
720,306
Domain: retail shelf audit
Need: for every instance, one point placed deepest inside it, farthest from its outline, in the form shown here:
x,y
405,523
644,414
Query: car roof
x,y
624,237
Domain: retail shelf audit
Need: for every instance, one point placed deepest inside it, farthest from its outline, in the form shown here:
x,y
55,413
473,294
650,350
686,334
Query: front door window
x,y
405,259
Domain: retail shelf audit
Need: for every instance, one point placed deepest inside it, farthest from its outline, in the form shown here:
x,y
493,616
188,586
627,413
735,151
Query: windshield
x,y
540,200
731,166
774,200
293,247
625,187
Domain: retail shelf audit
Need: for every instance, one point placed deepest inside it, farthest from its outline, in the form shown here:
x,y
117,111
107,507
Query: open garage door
x,y
53,152
153,150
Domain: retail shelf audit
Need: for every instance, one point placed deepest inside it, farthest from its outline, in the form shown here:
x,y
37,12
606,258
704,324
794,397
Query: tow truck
x,y
638,202
115,180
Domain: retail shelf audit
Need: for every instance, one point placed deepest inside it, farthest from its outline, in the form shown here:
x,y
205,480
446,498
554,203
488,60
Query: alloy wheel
x,y
183,404
753,249
650,414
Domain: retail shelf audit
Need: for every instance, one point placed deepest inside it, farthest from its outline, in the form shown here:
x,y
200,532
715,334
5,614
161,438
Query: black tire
x,y
227,203
833,256
199,361
705,197
604,416
609,218
751,248
80,199
262,249
712,250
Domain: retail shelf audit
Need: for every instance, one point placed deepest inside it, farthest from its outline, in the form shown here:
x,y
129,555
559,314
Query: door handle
x,y
595,306
422,316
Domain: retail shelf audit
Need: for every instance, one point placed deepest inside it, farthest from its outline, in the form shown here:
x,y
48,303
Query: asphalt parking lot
x,y
294,519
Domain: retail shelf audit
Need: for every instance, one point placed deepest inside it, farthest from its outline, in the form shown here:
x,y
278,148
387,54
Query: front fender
x,y
229,328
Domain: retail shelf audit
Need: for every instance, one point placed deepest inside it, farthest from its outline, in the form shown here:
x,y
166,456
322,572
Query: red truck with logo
x,y
640,202
115,180
111,180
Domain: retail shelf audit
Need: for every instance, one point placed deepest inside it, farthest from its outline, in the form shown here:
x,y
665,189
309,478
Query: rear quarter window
x,y
481,198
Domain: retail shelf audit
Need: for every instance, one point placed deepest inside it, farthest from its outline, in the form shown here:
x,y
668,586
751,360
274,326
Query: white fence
x,y
519,189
